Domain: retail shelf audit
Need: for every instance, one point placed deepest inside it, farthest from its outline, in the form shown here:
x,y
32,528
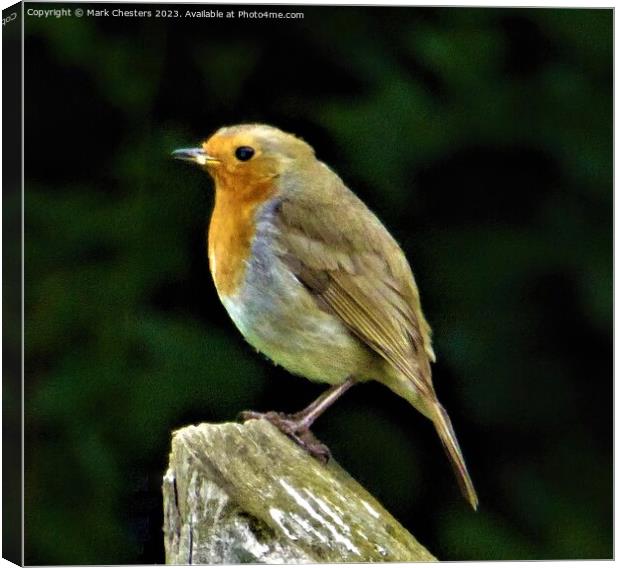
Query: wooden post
x,y
241,493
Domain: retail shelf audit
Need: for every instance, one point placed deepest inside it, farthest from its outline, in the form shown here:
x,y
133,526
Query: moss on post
x,y
237,493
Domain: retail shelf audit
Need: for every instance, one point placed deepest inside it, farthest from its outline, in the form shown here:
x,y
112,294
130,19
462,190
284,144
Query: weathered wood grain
x,y
237,493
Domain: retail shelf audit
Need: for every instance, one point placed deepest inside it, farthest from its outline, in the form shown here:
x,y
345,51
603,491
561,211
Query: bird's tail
x,y
448,439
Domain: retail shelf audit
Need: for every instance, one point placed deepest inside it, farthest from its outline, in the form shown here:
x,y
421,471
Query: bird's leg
x,y
297,426
306,417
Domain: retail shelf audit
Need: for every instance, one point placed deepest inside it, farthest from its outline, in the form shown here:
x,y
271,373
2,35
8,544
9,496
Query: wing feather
x,y
360,273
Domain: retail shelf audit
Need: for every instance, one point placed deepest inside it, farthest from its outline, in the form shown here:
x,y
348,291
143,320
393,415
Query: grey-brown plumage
x,y
357,271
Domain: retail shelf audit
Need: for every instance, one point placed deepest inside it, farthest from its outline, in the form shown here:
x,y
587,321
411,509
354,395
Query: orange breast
x,y
231,231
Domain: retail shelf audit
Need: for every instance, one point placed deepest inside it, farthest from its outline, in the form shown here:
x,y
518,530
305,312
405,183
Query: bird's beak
x,y
195,155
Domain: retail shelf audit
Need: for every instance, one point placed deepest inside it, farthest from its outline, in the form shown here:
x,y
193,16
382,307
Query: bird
x,y
314,281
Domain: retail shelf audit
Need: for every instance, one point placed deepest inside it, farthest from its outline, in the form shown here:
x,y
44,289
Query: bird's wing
x,y
354,269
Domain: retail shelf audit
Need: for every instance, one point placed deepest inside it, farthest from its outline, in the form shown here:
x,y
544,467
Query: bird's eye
x,y
244,153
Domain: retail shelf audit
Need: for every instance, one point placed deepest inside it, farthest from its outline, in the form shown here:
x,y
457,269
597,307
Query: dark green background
x,y
481,137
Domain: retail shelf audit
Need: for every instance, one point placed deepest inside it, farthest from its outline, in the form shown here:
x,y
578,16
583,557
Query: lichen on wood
x,y
245,493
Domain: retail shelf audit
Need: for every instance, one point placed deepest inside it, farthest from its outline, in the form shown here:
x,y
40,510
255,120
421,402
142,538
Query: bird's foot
x,y
294,428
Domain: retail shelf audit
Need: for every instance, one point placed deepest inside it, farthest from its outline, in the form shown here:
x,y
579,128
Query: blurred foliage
x,y
482,138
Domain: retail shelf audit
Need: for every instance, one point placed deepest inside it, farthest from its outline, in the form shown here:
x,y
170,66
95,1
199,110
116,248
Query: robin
x,y
313,280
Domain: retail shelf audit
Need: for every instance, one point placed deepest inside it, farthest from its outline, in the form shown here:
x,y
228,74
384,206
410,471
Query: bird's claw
x,y
300,434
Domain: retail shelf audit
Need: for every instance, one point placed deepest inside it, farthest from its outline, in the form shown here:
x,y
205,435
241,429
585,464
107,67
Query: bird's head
x,y
244,156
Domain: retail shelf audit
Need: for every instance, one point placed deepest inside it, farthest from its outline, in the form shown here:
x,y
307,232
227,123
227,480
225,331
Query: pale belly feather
x,y
279,317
